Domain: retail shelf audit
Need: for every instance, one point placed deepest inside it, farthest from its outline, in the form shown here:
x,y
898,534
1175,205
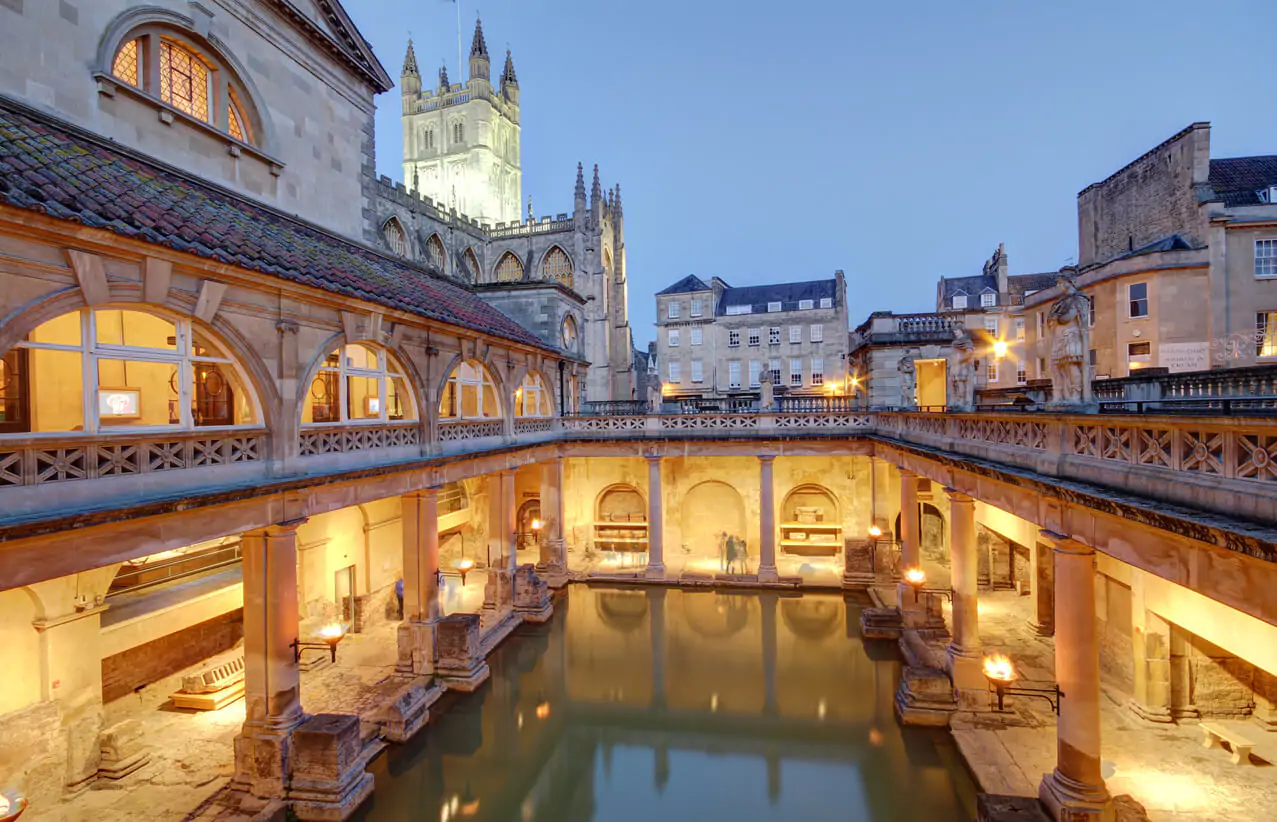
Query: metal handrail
x,y
233,557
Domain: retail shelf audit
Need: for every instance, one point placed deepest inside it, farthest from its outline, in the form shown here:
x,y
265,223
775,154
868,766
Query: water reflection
x,y
641,704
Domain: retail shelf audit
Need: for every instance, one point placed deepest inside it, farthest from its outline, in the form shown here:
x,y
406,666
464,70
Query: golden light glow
x,y
12,807
915,577
333,633
998,668
537,525
543,710
463,564
1000,349
875,531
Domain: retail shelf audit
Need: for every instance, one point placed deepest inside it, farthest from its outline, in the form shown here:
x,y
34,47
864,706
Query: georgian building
x,y
714,340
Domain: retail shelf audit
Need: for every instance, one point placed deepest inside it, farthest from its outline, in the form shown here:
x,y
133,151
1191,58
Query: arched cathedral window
x,y
509,268
470,266
458,132
557,266
396,239
163,64
435,254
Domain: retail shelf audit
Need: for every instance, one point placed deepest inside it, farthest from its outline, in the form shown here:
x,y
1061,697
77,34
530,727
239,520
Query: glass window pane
x,y
56,383
361,356
132,392
134,328
448,404
203,346
125,65
469,401
399,404
363,398
64,330
490,407
321,403
219,396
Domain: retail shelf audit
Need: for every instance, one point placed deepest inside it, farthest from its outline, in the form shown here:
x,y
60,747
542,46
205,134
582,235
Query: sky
x,y
899,142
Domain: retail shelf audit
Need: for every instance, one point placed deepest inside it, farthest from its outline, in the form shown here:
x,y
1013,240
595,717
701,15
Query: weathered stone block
x,y
328,777
459,652
416,642
531,595
407,712
925,697
123,750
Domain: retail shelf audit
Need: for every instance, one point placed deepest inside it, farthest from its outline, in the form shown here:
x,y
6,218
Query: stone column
x,y
272,684
509,521
553,528
420,582
1151,645
1042,589
1075,790
767,521
655,521
913,611
970,686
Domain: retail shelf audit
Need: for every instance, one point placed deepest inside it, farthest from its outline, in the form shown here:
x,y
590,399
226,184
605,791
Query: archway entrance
x,y
711,512
527,536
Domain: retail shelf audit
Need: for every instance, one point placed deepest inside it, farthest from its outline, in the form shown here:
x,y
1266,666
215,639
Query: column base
x,y
328,777
768,573
407,712
1041,628
263,755
1071,801
460,662
531,595
654,571
1161,713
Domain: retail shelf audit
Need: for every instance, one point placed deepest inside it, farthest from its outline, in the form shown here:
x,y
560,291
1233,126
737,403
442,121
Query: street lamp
x,y
999,348
1001,673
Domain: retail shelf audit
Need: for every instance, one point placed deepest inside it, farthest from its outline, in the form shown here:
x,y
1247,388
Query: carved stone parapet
x,y
328,777
531,595
459,648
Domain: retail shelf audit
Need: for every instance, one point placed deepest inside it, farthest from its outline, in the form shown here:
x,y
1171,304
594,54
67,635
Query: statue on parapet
x,y
908,381
1068,329
961,372
654,391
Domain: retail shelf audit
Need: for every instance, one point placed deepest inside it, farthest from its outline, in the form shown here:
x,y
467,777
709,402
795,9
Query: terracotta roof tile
x,y
51,168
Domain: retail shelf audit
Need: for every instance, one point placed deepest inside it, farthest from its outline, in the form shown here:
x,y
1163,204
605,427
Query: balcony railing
x,y
614,408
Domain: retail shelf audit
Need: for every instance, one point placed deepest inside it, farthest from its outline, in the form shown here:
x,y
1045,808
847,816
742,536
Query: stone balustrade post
x,y
1075,790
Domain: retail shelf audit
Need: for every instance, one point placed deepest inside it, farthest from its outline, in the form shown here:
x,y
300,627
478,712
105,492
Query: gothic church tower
x,y
461,141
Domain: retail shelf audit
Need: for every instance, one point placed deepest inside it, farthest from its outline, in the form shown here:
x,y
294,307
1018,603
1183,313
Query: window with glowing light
x,y
166,65
469,394
533,398
1266,334
358,383
817,370
557,266
509,268
101,370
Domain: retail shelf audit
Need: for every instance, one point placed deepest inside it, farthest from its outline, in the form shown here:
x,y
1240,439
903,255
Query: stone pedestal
x,y
407,712
459,647
498,591
925,697
416,648
328,777
531,595
123,750
858,571
1075,790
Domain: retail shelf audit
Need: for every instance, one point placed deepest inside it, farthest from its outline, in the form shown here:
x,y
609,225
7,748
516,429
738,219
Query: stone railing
x,y
615,408
42,460
761,423
544,226
341,439
468,430
533,425
816,405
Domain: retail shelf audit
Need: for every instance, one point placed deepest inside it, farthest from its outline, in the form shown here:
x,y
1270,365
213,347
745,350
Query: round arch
x,y
129,23
130,364
535,395
622,611
471,389
620,500
702,535
809,496
340,382
716,617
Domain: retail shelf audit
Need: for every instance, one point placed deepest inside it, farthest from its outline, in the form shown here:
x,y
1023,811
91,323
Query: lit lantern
x,y
874,531
463,565
915,577
1000,349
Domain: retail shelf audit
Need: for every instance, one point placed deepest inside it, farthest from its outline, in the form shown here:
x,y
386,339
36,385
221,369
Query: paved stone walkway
x,y
1162,767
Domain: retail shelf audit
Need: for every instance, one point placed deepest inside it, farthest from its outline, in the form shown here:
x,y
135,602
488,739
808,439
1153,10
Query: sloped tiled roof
x,y
966,285
787,294
688,284
55,169
1236,180
1023,283
1172,243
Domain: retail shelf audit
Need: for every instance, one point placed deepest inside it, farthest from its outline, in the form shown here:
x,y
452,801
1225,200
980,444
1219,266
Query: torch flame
x,y
875,531
915,577
999,668
463,564
332,633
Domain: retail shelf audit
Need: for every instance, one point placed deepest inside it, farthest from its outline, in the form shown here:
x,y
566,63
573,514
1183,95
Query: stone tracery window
x,y
509,268
470,266
395,237
100,370
470,393
533,398
435,254
569,333
557,266
164,65
359,383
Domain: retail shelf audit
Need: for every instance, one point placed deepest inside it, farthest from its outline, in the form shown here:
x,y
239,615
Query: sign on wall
x,y
1190,356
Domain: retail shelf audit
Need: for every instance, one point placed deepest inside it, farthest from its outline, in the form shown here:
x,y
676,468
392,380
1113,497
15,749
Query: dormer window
x,y
959,300
988,299
186,77
1267,195
773,307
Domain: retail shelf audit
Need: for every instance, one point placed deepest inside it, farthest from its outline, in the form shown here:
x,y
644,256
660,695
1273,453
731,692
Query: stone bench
x,y
1213,733
213,688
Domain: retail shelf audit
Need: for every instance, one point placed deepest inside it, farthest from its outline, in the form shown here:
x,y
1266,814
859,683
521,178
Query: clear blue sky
x,y
896,141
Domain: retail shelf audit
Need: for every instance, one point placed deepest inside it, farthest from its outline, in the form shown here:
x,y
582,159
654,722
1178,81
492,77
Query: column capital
x,y
423,493
1064,544
906,472
958,496
653,459
766,457
279,529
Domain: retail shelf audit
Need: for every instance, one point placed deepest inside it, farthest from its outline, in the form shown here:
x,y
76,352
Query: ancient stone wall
x,y
127,671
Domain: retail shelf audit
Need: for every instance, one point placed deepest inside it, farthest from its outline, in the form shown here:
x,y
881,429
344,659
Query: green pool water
x,y
667,704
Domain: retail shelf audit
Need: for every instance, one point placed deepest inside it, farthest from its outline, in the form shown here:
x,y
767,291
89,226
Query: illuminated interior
x,y
470,393
359,383
533,398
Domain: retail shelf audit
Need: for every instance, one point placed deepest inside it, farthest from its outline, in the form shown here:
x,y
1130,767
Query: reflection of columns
x,y
1075,790
656,628
912,609
964,649
655,521
553,529
509,520
416,639
771,704
767,521
272,696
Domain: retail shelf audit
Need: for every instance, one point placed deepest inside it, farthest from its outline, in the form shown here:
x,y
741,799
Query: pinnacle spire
x,y
507,74
618,198
410,61
443,77
478,47
580,182
596,190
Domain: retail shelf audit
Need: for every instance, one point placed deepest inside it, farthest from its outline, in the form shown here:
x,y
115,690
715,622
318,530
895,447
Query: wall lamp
x,y
1001,673
329,636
